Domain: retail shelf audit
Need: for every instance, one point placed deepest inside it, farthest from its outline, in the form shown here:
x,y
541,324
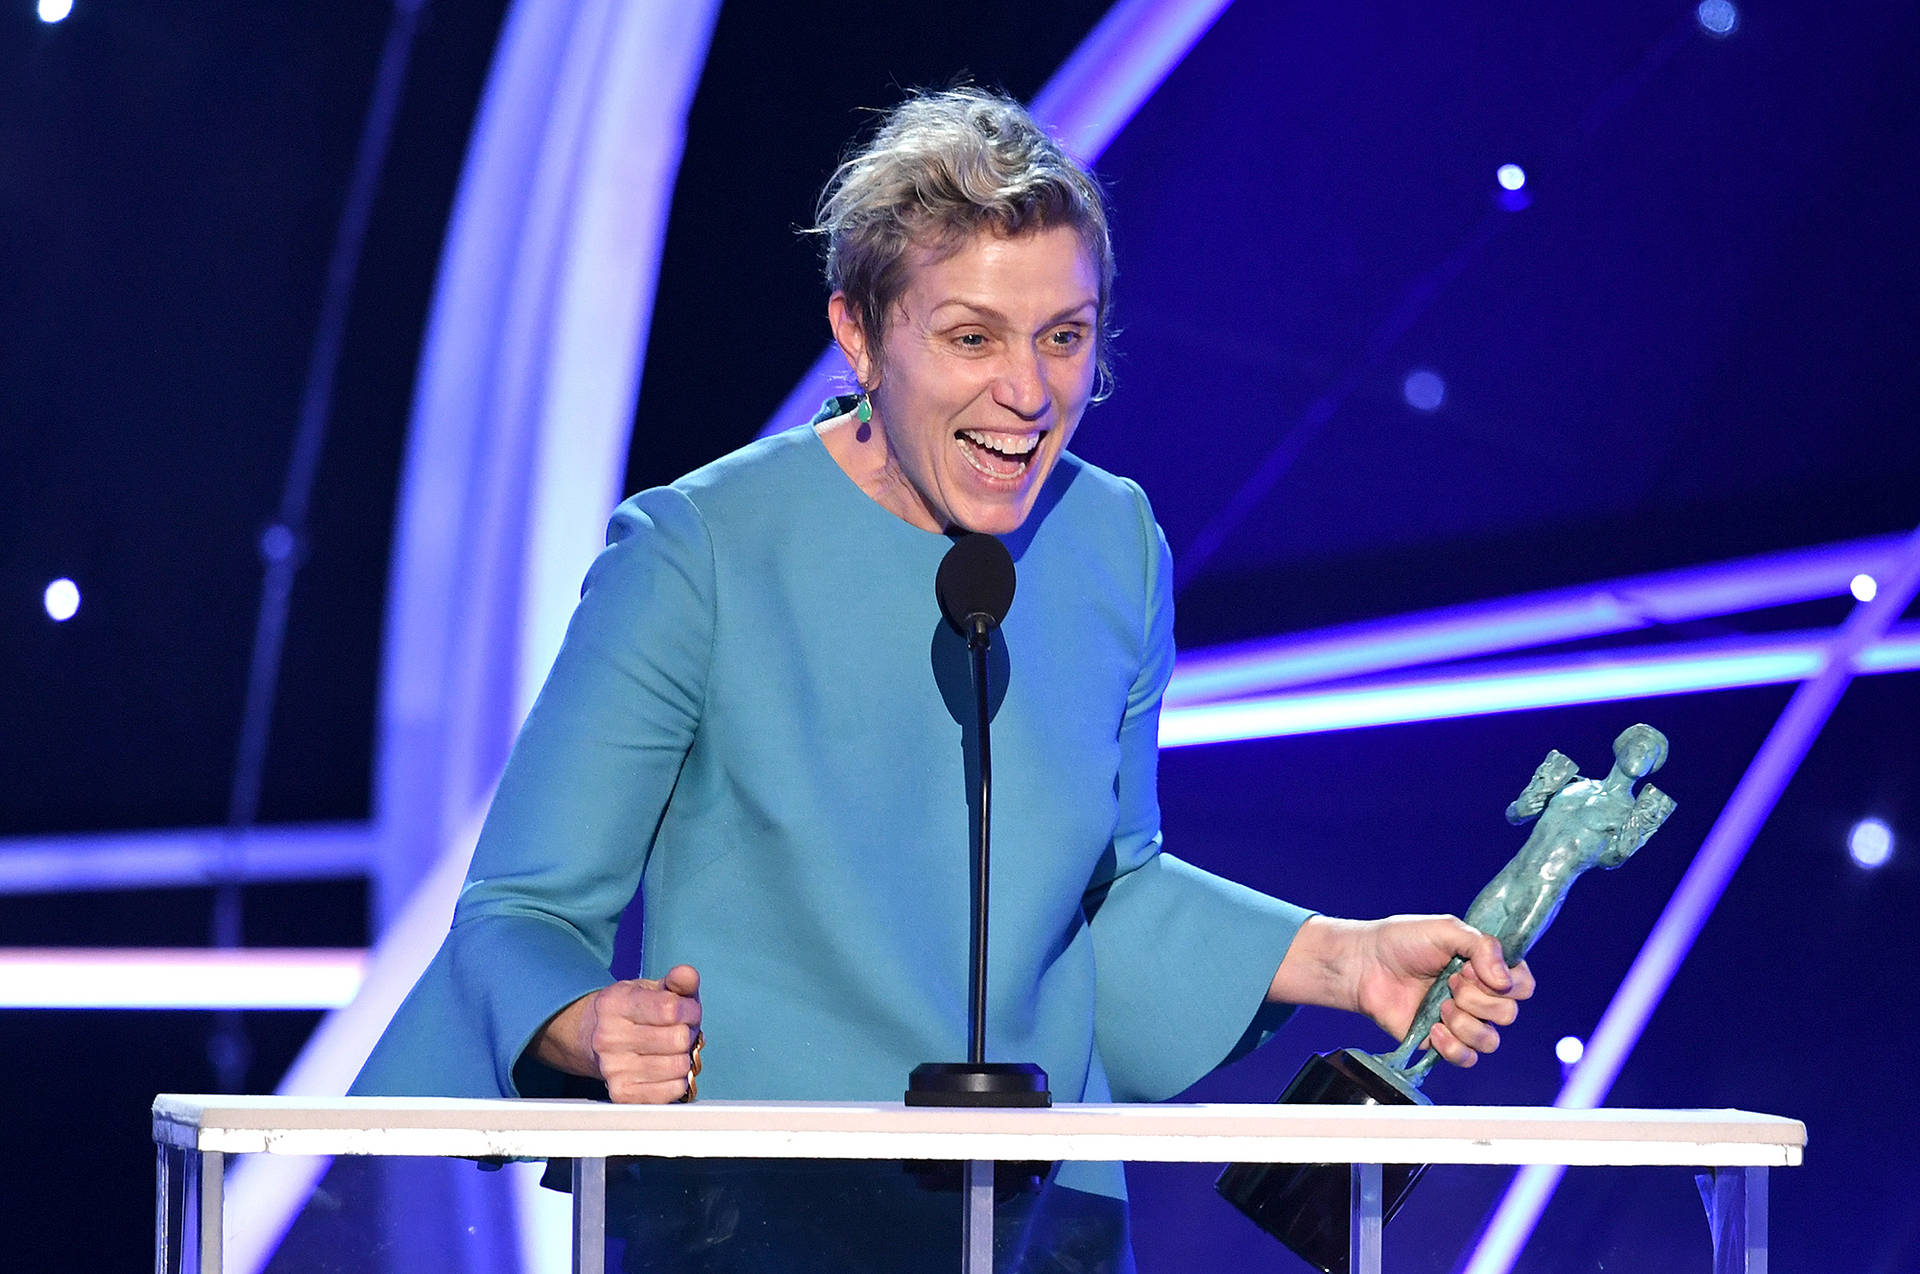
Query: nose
x,y
1020,388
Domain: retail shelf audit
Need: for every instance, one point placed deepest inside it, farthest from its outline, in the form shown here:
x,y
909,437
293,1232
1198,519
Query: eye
x,y
971,340
1065,339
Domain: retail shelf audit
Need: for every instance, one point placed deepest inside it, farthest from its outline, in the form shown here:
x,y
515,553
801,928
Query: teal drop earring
x,y
863,410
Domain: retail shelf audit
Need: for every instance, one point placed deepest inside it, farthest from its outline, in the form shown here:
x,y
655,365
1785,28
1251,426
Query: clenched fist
x,y
637,1036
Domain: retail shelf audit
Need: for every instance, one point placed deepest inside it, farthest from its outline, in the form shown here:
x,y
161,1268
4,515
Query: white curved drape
x,y
523,404
525,395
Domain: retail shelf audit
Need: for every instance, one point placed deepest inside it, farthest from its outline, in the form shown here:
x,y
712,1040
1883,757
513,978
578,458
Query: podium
x,y
197,1136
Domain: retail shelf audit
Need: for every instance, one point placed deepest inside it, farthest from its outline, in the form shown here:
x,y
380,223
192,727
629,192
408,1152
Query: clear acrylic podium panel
x,y
213,1152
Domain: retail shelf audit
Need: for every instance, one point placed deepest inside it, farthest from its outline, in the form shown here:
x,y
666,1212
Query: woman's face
x,y
988,361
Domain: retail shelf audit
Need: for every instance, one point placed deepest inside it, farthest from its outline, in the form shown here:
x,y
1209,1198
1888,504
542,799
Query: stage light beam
x,y
1870,843
178,978
62,600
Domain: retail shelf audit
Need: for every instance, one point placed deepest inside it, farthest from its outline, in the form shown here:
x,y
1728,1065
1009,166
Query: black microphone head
x,y
975,581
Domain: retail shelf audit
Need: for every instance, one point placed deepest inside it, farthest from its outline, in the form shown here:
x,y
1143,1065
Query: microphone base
x,y
978,1084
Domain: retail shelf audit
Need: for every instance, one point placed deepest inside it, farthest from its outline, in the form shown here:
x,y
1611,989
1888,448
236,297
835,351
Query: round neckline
x,y
919,534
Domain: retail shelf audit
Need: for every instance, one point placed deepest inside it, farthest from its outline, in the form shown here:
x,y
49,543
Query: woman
x,y
747,719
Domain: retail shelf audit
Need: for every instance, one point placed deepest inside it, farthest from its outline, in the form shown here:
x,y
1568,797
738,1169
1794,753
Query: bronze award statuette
x,y
1583,823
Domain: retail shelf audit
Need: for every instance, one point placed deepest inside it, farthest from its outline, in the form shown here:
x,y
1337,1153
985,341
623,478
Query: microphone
x,y
975,588
975,585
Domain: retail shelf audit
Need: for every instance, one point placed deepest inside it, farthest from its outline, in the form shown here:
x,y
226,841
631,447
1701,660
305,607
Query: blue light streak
x,y
1516,685
1482,628
185,857
191,978
1122,62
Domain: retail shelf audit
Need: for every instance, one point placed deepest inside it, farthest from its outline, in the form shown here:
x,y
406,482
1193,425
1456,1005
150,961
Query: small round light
x,y
54,10
1510,176
62,600
1863,587
1569,1050
277,542
1870,842
1717,18
1424,390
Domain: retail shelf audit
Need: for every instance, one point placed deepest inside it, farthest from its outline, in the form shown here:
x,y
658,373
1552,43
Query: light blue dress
x,y
755,719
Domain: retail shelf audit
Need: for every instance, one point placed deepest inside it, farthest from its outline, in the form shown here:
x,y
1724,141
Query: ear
x,y
852,340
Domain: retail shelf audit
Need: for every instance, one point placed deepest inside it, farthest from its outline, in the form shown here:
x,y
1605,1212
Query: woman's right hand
x,y
637,1036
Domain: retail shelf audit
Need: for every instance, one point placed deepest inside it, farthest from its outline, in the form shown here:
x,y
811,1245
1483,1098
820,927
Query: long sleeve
x,y
1183,958
573,820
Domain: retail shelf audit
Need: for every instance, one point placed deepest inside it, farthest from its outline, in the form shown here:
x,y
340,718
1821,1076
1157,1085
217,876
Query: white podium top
x,y
444,1126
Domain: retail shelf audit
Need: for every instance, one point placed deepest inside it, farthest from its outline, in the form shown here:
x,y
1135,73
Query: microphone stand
x,y
979,638
978,1082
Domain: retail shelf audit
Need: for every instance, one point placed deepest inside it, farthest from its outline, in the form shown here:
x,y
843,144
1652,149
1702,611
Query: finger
x,y
1472,1032
1442,1041
633,1093
646,1004
1484,954
648,1068
682,979
614,1038
1480,1002
1522,982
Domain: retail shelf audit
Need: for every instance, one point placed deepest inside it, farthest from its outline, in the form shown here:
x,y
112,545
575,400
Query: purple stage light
x,y
1532,619
1519,684
62,600
1120,64
1424,390
1870,843
183,857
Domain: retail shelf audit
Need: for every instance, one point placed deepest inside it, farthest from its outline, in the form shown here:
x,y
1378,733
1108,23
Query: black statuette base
x,y
978,1084
1306,1205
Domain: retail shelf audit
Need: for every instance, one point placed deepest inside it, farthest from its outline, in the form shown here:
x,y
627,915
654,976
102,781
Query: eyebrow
x,y
990,313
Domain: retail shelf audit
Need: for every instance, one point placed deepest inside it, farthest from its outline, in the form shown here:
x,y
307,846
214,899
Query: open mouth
x,y
1003,457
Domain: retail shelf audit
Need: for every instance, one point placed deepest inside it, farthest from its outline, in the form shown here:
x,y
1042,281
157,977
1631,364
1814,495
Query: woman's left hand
x,y
1382,969
1408,952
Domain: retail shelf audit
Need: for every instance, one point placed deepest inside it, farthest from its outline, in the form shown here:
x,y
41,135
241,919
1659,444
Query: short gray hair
x,y
940,168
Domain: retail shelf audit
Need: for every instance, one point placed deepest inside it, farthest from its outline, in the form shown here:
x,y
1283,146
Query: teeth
x,y
1005,444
